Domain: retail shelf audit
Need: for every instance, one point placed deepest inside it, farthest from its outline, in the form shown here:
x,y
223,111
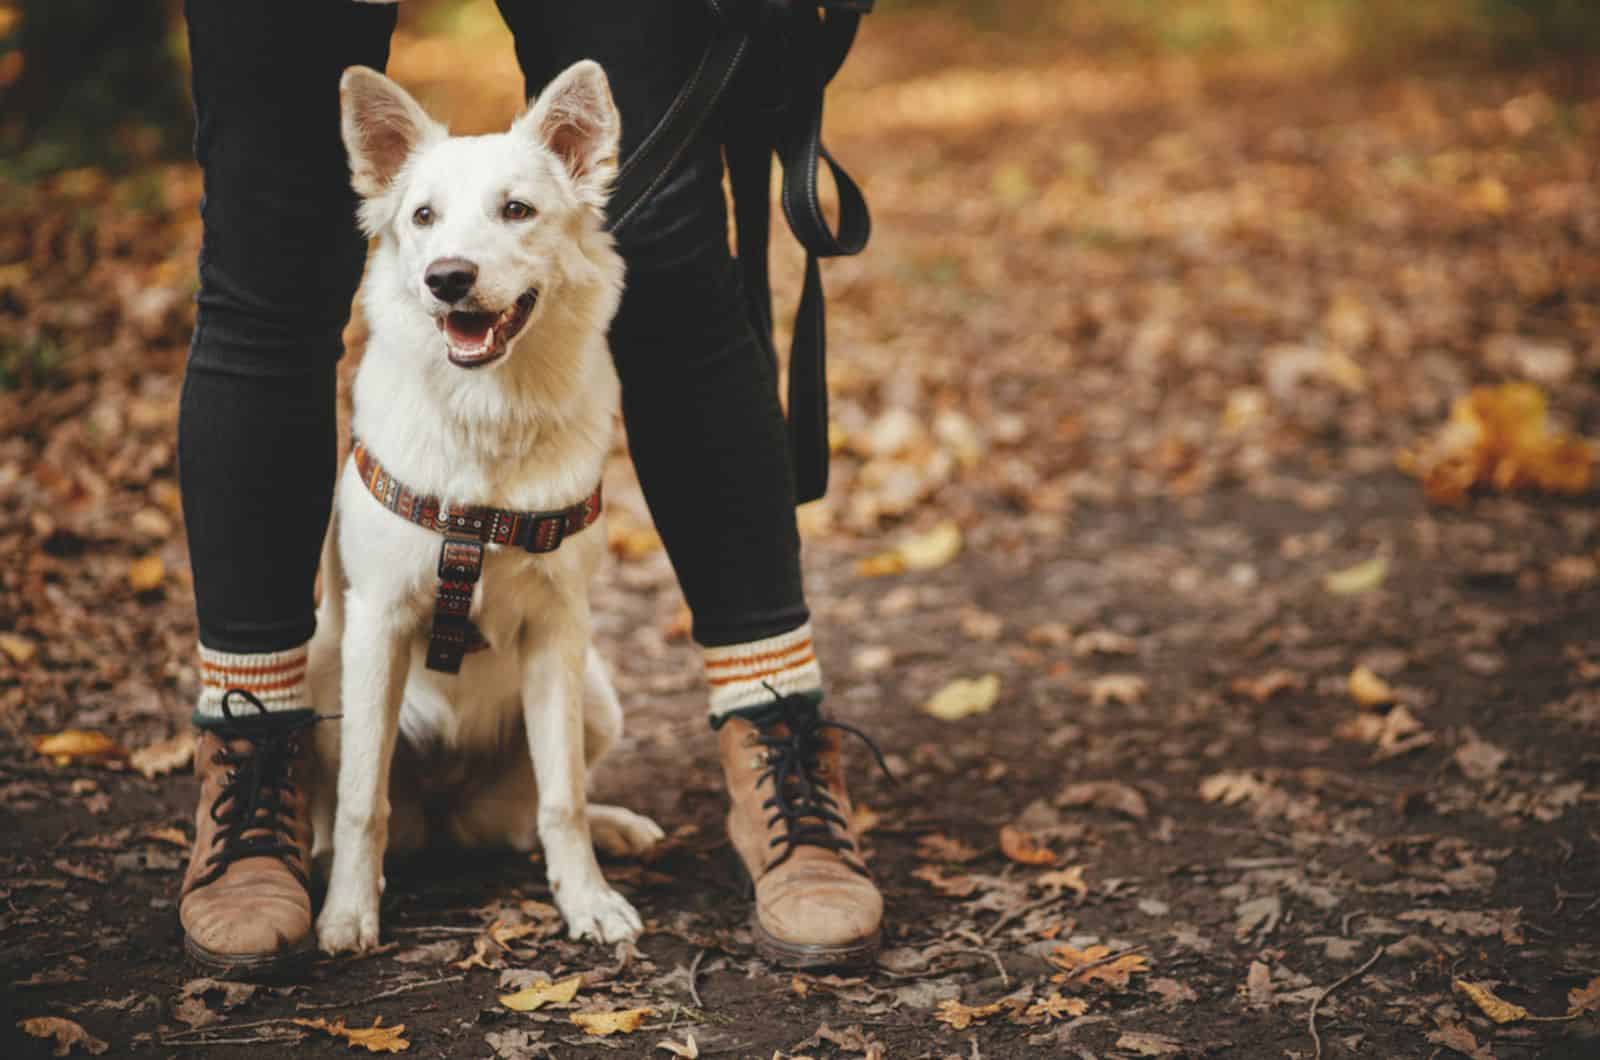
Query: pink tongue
x,y
469,327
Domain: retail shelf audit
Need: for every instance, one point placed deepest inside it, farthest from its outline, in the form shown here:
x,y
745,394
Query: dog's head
x,y
481,228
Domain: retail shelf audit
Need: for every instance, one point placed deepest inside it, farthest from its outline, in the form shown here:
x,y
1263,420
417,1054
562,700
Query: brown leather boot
x,y
245,905
816,905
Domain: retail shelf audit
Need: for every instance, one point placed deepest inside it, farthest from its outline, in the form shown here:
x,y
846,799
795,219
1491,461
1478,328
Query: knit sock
x,y
276,678
749,675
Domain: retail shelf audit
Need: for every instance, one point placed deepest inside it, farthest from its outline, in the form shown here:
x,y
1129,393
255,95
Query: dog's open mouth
x,y
473,340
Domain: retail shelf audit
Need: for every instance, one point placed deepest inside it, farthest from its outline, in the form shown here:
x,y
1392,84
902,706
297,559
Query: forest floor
x,y
1284,759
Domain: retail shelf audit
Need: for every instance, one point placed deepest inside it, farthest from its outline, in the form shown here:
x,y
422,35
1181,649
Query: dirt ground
x,y
1285,760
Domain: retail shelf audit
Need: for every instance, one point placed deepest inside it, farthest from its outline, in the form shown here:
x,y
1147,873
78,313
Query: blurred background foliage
x,y
91,82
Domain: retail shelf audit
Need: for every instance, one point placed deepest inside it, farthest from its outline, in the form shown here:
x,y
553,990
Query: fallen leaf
x,y
1142,1044
936,847
18,647
70,744
1269,684
1105,795
1368,689
962,698
67,1034
957,886
146,573
1085,966
1584,998
1361,578
1070,878
1258,984
1231,788
1478,759
540,994
374,1039
1458,1039
169,834
1024,847
1056,1007
962,1016
1127,689
1173,992
604,1024
924,551
161,758
517,1043
688,1049
1496,1008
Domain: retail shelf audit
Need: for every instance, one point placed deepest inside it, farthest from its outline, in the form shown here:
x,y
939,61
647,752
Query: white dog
x,y
486,382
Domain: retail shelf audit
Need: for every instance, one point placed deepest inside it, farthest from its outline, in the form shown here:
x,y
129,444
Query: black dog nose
x,y
451,278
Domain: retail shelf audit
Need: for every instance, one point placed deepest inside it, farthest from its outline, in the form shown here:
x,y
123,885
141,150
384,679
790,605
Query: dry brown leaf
x,y
1105,795
688,1049
1456,1038
19,648
67,1034
146,573
1141,1044
1056,1007
1268,684
1126,689
540,994
1368,689
1496,1008
936,847
1500,437
163,757
1361,578
604,1024
1070,878
964,697
1584,998
1024,847
1231,788
962,1016
169,834
957,886
374,1039
1082,966
77,744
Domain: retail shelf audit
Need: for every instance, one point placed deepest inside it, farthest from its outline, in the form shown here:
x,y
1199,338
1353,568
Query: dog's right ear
x,y
382,125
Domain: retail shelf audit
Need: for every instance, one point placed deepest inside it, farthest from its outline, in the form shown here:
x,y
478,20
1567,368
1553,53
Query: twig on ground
x,y
1311,1016
438,929
217,1028
258,1039
406,989
1022,911
694,974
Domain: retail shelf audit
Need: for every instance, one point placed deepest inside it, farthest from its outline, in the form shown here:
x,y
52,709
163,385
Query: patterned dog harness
x,y
467,528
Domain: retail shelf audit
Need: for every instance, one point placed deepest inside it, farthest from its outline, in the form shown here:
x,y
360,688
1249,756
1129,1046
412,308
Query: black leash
x,y
799,46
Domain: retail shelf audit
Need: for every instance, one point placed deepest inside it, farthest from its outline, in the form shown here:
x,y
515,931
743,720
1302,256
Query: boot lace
x,y
801,798
254,820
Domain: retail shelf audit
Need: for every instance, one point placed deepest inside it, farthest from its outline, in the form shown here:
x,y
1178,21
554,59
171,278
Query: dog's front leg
x,y
552,699
375,660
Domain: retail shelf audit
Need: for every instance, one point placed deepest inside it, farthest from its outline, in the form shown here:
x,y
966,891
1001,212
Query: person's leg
x,y
280,260
706,432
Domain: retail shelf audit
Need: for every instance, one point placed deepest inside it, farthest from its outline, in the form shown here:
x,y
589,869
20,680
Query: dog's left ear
x,y
576,118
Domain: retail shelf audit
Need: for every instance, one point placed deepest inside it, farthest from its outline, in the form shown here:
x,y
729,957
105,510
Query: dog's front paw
x,y
597,912
347,928
621,832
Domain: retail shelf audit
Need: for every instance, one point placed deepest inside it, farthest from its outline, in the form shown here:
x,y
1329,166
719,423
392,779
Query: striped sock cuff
x,y
277,678
747,675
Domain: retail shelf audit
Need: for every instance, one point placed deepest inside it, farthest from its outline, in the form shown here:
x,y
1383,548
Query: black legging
x,y
280,261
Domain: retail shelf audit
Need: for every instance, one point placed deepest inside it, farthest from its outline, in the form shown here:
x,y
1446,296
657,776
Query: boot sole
x,y
232,966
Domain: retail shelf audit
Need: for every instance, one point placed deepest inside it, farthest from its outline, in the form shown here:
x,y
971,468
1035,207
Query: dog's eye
x,y
422,216
516,210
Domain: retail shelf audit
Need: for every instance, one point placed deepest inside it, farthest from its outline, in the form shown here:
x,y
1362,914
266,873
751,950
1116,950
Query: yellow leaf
x,y
603,1024
1024,847
72,744
146,573
163,757
962,1016
541,994
925,551
1057,1007
964,697
374,1039
1097,963
20,648
1497,1009
932,549
1368,689
66,1034
1361,578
